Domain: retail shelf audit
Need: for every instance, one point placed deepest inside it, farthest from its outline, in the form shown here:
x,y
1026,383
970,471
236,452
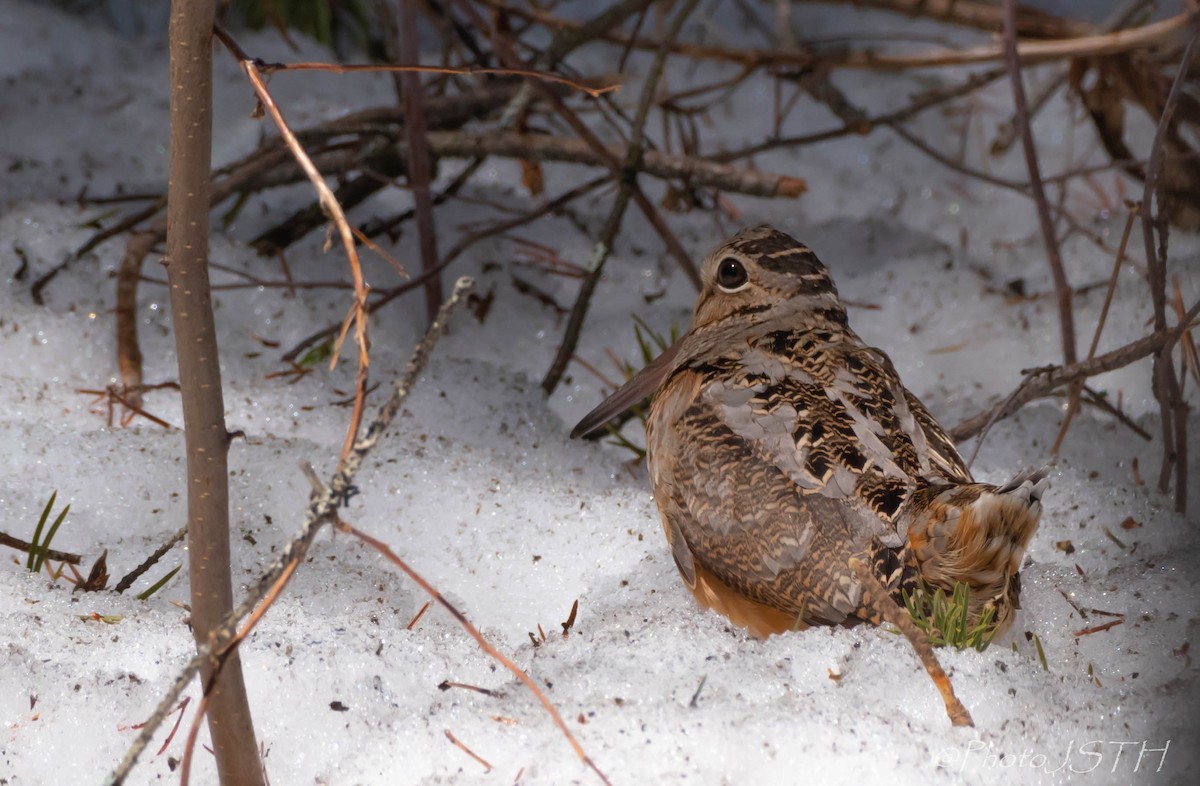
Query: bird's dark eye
x,y
731,275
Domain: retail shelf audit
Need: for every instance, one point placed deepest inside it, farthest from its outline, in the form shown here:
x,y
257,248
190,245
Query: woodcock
x,y
799,481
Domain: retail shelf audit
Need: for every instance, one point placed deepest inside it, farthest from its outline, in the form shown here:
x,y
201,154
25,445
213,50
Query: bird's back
x,y
777,460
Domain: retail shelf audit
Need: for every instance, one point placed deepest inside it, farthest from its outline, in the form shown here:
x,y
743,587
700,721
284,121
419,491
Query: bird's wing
x,y
730,512
833,417
639,386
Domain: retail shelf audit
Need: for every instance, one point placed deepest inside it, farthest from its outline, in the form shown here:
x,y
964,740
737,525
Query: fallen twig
x,y
25,546
1099,628
459,744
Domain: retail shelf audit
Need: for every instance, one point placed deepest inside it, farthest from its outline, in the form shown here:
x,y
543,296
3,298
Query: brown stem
x,y
205,437
129,353
612,226
1166,386
419,163
1053,254
322,509
1030,51
24,545
1054,377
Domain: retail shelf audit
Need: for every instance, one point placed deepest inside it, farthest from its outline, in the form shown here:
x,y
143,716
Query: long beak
x,y
642,384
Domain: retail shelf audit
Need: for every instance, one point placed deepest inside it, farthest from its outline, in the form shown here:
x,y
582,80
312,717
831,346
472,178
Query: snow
x,y
479,488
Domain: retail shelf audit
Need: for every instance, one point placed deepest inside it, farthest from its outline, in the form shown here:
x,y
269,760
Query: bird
x,y
798,480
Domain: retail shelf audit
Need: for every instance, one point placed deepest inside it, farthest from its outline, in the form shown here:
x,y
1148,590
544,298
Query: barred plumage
x,y
798,480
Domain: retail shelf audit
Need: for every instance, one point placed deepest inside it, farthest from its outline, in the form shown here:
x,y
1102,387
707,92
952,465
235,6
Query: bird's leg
x,y
878,604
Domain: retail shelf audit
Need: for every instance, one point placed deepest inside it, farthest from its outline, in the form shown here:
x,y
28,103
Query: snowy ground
x,y
480,489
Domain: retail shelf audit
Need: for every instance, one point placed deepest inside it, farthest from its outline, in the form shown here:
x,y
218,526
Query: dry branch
x,y
1062,286
24,545
420,167
1029,51
322,509
1173,409
634,155
1054,377
1031,23
697,171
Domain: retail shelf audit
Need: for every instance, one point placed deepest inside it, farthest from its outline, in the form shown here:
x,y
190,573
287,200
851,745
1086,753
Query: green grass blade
x,y
37,533
45,546
159,584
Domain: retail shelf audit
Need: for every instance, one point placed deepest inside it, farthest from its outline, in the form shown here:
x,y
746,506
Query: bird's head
x,y
760,280
760,275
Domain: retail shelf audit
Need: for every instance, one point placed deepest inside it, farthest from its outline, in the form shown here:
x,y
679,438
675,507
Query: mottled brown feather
x,y
798,480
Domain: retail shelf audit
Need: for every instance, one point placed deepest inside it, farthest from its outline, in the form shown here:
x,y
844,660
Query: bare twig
x,y
698,171
322,509
133,575
1172,407
1028,51
1049,380
603,248
336,68
1053,254
918,105
24,545
419,164
330,204
461,746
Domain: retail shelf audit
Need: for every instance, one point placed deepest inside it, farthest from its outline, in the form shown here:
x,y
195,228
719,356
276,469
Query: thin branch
x,y
330,204
1172,407
1052,378
24,545
633,157
1053,254
419,163
336,68
540,147
1028,51
322,509
918,105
